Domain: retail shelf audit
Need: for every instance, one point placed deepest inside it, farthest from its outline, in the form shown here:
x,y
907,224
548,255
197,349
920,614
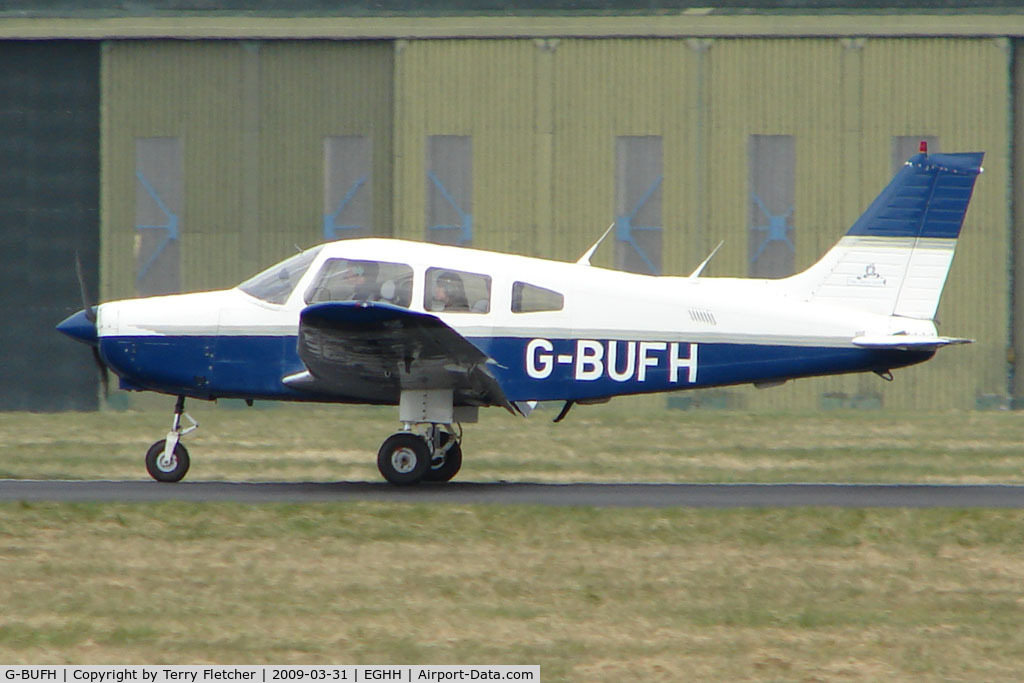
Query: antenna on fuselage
x,y
700,269
585,259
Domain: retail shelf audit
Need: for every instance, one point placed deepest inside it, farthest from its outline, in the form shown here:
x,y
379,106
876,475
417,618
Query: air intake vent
x,y
698,315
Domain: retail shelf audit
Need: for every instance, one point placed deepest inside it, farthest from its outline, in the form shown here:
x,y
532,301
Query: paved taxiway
x,y
598,495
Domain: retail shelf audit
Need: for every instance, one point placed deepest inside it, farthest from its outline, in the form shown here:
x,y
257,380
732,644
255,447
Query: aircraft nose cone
x,y
80,328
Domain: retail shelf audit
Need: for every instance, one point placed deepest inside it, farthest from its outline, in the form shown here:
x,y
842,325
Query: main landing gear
x,y
428,448
409,457
167,460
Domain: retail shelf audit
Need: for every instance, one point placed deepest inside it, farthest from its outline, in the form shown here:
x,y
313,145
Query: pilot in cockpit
x,y
361,282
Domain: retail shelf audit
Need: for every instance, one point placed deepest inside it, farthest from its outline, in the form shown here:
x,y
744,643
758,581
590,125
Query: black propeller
x,y
90,315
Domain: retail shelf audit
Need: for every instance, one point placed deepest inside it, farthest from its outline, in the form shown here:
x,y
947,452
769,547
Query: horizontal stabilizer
x,y
907,342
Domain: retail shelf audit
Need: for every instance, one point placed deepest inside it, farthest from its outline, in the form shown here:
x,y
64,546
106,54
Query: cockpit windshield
x,y
275,284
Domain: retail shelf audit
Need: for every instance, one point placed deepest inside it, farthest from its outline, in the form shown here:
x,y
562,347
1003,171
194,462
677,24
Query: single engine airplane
x,y
442,331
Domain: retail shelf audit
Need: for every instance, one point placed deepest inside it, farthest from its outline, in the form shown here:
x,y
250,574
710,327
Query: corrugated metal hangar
x,y
184,150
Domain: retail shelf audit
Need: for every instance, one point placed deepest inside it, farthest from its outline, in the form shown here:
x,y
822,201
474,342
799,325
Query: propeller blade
x,y
90,315
90,310
104,376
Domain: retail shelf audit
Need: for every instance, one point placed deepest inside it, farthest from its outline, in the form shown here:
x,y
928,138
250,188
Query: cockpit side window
x,y
455,291
527,298
275,284
354,280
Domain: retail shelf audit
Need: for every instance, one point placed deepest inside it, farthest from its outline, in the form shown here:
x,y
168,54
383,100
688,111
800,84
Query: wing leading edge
x,y
372,351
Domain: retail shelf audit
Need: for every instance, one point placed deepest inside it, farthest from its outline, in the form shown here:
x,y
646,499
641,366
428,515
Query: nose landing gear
x,y
167,460
427,449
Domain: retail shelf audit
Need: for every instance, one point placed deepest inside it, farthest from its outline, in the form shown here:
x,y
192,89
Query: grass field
x,y
621,441
589,594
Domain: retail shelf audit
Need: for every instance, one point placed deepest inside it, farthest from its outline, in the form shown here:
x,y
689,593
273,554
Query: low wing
x,y
907,342
371,351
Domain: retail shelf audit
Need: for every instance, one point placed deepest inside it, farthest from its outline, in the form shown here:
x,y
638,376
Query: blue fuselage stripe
x,y
526,369
206,366
582,369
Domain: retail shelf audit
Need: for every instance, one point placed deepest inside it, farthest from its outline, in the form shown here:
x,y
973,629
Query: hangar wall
x,y
532,146
844,102
251,118
49,212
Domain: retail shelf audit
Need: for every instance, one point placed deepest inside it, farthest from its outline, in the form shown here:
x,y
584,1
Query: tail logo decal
x,y
870,278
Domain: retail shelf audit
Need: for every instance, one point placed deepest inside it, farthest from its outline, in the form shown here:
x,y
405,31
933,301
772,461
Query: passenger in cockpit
x,y
449,293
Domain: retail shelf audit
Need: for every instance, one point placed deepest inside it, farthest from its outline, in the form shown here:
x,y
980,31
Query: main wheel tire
x,y
444,467
167,472
404,459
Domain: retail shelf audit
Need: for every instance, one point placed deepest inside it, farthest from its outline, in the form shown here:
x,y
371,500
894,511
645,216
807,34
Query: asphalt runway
x,y
507,493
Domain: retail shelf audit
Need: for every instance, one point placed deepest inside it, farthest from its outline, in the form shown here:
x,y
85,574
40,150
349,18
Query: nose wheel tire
x,y
404,459
169,469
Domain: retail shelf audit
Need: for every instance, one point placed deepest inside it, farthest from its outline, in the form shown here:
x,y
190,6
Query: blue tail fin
x,y
927,198
895,258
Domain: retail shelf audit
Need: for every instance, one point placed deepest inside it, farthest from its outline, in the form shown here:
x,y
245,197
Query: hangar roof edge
x,y
15,26
440,8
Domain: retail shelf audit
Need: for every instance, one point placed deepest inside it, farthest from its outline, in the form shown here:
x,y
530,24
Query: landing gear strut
x,y
428,448
167,460
447,456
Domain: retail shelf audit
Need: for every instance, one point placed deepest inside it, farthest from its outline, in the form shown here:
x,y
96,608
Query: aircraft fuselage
x,y
615,333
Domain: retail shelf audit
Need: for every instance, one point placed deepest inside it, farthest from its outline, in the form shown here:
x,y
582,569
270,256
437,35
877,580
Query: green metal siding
x,y
308,91
959,91
174,89
543,116
605,89
481,89
253,117
844,100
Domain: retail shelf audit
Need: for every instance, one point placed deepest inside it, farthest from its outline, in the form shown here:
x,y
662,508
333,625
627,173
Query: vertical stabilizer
x,y
895,258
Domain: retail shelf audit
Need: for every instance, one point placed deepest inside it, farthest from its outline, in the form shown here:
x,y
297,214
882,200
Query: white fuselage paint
x,y
600,304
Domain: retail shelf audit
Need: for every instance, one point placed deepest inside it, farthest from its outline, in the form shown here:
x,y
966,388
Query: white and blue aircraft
x,y
442,331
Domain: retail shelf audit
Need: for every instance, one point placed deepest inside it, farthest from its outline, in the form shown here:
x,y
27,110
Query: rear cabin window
x,y
455,291
275,284
527,298
352,280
